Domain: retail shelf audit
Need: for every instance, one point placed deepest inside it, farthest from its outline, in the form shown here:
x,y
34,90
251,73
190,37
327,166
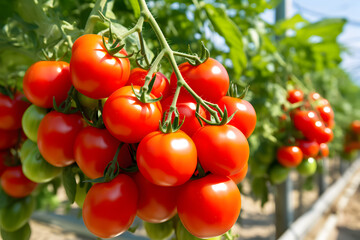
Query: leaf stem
x,y
94,17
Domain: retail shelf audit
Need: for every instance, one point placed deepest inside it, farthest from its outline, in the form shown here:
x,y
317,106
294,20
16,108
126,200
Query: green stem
x,y
193,57
142,48
173,106
152,70
228,236
136,28
94,17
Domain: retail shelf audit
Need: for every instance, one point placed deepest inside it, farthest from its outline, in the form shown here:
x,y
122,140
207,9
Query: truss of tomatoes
x,y
167,181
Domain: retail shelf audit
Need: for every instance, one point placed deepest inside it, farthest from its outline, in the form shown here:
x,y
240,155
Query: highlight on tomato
x,y
12,110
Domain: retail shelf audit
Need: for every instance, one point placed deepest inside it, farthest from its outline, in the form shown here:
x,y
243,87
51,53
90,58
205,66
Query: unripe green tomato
x,y
307,167
183,234
27,147
37,169
158,231
22,233
81,194
278,174
31,120
16,215
258,169
90,103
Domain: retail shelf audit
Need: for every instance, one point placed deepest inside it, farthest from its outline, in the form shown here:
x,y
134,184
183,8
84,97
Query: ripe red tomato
x,y
209,80
315,96
15,183
326,113
128,119
289,156
186,106
11,111
323,134
161,85
222,150
45,80
238,177
355,126
309,148
95,148
110,208
4,156
245,116
209,206
303,120
94,72
56,137
156,203
167,159
324,150
9,138
295,96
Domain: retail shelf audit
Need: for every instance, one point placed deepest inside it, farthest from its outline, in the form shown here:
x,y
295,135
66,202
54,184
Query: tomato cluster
x,y
99,124
352,137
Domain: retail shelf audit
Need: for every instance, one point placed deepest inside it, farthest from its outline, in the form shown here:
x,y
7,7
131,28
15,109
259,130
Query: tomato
x,y
156,203
258,168
26,148
17,215
45,80
245,116
278,174
289,156
186,105
222,150
307,167
167,159
37,169
355,126
158,231
81,190
31,121
315,96
309,148
304,120
128,119
9,138
209,206
295,96
22,233
94,72
95,148
183,234
11,111
320,133
56,137
326,113
4,156
324,150
110,208
238,177
209,80
161,85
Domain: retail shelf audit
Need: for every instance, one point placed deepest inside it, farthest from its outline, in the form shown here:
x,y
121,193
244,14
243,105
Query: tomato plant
x,y
31,121
290,156
295,96
11,111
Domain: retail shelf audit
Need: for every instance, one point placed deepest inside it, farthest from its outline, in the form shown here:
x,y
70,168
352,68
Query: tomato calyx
x,y
169,125
193,58
234,91
144,95
225,118
66,106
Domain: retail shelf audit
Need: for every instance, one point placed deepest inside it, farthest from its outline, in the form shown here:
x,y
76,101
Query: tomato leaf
x,y
136,7
5,199
68,178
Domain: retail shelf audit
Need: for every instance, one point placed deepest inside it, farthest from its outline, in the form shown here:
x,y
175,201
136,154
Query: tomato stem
x,y
94,17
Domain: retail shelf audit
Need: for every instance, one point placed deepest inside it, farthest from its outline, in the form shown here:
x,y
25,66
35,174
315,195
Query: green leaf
x,y
136,7
274,3
68,179
327,29
292,23
233,37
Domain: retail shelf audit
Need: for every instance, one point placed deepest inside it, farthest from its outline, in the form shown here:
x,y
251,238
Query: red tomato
x,y
186,106
95,148
56,137
295,96
15,183
237,178
209,206
128,119
167,159
45,80
290,156
11,111
110,208
209,80
324,135
9,138
4,156
315,96
245,116
222,150
324,150
355,126
326,112
94,72
309,148
303,120
161,85
156,203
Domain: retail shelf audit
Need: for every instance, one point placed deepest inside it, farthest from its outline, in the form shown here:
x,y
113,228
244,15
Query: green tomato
x,y
183,234
81,194
17,214
159,231
31,120
37,169
307,167
278,174
22,233
27,147
257,168
90,103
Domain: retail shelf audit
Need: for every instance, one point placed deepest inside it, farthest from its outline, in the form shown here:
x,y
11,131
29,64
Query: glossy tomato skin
x,y
304,120
95,148
209,80
11,111
238,177
209,206
289,156
324,135
326,113
324,150
355,126
161,85
167,159
315,96
8,138
94,72
309,148
156,203
110,208
186,106
15,183
295,96
56,137
45,80
31,121
245,116
222,150
128,119
307,167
